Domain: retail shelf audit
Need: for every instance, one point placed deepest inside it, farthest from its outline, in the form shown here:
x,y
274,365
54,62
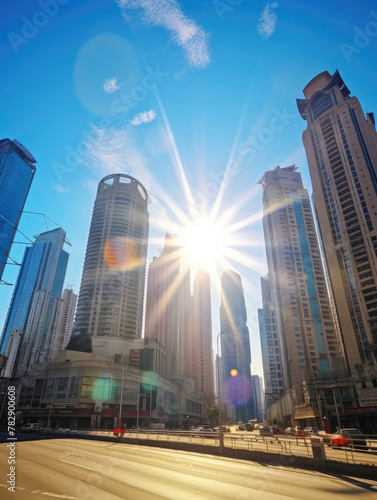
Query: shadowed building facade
x,y
341,147
235,349
110,303
32,316
271,355
17,169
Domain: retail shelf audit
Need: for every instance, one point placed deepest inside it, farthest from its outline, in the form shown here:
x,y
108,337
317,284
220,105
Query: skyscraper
x,y
235,347
305,331
202,334
271,355
111,298
341,148
167,304
17,169
29,324
64,320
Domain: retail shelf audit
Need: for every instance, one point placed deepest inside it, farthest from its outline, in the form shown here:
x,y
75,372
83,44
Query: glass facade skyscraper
x,y
235,347
31,318
271,355
17,169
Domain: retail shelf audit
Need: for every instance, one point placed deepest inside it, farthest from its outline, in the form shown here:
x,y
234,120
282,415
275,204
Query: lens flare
x,y
122,253
238,390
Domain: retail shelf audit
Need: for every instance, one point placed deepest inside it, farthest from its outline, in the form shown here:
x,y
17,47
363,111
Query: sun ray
x,y
177,159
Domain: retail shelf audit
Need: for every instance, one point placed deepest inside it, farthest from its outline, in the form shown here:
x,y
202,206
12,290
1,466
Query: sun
x,y
203,243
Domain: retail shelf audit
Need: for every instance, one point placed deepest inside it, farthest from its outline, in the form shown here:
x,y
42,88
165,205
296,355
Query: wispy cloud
x,y
143,117
110,151
267,21
91,186
60,189
110,85
185,32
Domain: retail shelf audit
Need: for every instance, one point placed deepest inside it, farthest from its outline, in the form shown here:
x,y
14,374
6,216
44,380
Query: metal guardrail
x,y
279,444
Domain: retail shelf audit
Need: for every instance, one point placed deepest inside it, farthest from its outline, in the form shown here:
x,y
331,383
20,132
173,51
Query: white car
x,y
33,427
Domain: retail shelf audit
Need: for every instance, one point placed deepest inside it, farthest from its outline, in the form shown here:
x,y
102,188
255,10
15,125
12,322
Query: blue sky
x,y
215,74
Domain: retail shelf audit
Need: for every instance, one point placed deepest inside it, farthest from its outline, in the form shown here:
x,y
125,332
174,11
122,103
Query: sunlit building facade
x,y
111,298
341,147
202,335
306,337
168,302
31,319
17,169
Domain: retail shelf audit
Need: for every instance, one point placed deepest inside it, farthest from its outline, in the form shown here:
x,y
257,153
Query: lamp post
x,y
333,388
121,399
221,435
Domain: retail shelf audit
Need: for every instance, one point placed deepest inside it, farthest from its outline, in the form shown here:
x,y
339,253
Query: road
x,y
72,469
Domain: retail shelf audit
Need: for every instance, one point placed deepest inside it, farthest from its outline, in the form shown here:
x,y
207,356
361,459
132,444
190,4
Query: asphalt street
x,y
74,469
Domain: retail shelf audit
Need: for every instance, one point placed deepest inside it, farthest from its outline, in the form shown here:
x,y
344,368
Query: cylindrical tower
x,y
111,295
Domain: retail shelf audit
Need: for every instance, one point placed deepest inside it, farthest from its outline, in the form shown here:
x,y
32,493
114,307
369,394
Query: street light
x,y
333,388
121,399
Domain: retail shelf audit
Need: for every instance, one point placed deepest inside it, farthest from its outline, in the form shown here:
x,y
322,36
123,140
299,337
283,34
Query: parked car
x,y
225,428
207,432
32,427
291,431
266,430
311,430
295,431
241,426
66,430
356,439
277,430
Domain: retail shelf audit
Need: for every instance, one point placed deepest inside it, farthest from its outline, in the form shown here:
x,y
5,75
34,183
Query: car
x,y
311,430
356,439
291,431
31,427
241,426
277,430
266,430
65,430
202,431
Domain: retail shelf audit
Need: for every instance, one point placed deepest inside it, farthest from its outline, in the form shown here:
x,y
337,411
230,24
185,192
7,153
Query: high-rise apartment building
x,y
31,319
235,347
271,355
64,320
168,306
111,298
202,334
17,169
341,147
306,336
